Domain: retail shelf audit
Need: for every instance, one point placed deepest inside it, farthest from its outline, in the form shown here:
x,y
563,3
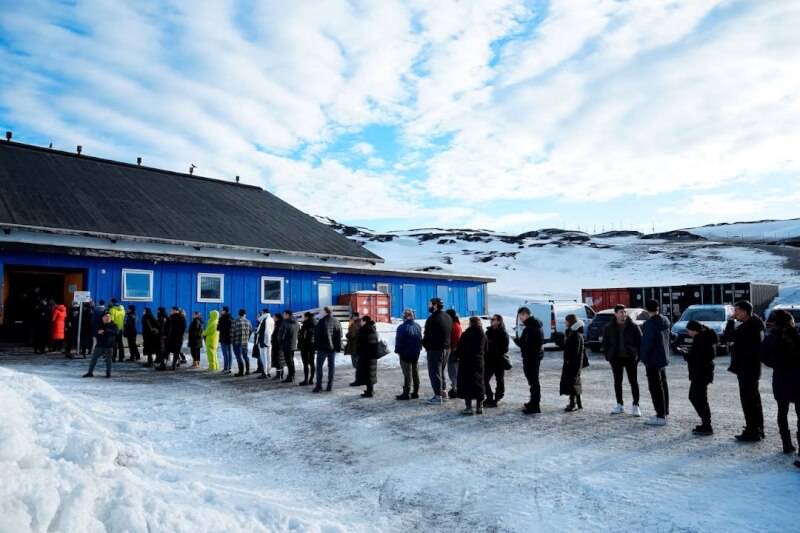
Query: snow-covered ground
x,y
196,451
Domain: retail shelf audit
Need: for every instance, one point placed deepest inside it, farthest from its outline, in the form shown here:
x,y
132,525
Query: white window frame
x,y
283,288
221,278
382,284
125,296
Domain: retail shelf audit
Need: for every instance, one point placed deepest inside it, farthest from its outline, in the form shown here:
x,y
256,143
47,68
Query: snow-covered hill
x,y
556,263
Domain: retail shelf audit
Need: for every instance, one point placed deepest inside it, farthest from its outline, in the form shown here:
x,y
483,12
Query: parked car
x,y
713,316
594,331
793,309
552,313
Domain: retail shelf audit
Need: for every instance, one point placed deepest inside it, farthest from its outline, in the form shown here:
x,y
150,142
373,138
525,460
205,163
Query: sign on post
x,y
82,297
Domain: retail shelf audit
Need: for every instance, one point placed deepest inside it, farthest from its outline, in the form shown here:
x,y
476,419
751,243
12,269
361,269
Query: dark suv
x,y
594,331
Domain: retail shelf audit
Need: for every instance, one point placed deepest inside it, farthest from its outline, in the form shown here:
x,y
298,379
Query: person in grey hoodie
x,y
288,337
654,353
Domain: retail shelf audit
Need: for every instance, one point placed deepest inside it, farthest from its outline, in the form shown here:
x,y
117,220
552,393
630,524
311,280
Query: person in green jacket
x,y
117,313
211,336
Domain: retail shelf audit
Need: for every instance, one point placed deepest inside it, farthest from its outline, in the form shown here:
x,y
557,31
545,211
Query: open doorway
x,y
23,288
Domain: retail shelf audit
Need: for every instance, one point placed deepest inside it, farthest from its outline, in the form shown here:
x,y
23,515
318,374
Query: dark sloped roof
x,y
61,191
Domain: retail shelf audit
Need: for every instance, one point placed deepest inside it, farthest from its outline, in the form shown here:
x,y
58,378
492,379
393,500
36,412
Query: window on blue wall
x,y
210,287
271,290
137,285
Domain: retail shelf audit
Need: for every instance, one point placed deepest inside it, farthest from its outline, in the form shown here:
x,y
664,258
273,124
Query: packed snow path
x,y
194,451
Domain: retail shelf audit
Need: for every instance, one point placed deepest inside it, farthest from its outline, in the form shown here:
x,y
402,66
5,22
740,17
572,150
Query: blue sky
x,y
498,114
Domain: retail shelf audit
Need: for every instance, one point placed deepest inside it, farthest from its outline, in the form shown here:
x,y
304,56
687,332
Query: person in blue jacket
x,y
654,353
408,345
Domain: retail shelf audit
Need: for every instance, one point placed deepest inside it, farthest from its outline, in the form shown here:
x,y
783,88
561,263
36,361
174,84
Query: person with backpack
x,y
408,345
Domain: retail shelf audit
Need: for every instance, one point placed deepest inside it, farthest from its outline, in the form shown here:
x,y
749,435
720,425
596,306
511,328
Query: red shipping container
x,y
373,303
600,299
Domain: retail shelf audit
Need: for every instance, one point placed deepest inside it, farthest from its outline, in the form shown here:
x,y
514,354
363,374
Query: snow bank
x,y
62,471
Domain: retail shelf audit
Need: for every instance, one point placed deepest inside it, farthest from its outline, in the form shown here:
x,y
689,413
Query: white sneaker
x,y
435,400
635,411
656,421
619,408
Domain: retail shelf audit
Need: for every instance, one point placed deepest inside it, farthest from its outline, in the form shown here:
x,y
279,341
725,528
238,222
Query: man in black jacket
x,y
746,364
436,341
621,340
130,333
327,341
177,328
288,336
224,325
531,345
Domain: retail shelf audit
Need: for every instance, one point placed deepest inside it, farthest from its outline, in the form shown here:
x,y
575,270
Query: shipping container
x,y
676,298
372,303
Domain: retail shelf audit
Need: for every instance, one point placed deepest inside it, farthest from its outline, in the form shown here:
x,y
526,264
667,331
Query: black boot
x,y
572,405
367,393
479,409
786,439
289,379
241,370
246,366
278,375
578,401
403,396
489,402
415,394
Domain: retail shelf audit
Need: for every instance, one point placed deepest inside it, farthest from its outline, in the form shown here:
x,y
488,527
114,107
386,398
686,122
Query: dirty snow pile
x,y
62,471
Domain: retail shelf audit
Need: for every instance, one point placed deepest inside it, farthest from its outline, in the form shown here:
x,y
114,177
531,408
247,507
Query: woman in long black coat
x,y
781,351
700,361
472,348
367,349
278,361
150,336
573,362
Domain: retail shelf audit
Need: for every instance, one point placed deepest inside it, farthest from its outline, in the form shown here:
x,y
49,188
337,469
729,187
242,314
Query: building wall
x,y
176,284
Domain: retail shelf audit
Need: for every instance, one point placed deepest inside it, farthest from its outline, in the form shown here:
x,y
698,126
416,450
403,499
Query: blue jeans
x,y
97,354
241,356
226,356
331,358
452,372
437,370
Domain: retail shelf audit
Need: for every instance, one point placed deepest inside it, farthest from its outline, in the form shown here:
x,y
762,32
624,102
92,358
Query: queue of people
x,y
469,359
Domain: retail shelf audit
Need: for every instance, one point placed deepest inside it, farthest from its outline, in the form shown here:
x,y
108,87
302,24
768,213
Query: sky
x,y
494,114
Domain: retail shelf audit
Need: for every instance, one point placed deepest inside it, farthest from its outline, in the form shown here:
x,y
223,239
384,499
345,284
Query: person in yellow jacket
x,y
211,336
117,313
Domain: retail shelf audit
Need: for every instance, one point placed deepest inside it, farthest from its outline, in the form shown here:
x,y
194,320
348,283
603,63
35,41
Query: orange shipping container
x,y
373,303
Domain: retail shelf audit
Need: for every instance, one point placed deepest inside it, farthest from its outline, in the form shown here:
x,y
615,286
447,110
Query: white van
x,y
552,312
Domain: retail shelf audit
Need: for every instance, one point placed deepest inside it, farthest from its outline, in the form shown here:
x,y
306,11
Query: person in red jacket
x,y
57,326
452,362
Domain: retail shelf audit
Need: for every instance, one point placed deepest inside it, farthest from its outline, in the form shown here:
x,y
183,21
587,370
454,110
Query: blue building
x,y
156,238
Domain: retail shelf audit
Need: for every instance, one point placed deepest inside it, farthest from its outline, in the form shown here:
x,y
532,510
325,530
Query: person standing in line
x,y
351,348
106,340
621,341
176,328
262,340
408,345
288,334
367,371
71,334
129,332
746,364
305,343
278,359
452,359
472,347
42,323
436,341
327,341
196,338
700,361
211,335
224,327
781,351
163,330
150,336
240,334
570,384
654,353
497,361
87,339
58,320
117,313
531,345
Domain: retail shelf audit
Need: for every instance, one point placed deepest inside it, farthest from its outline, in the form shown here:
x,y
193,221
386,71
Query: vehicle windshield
x,y
704,315
601,319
